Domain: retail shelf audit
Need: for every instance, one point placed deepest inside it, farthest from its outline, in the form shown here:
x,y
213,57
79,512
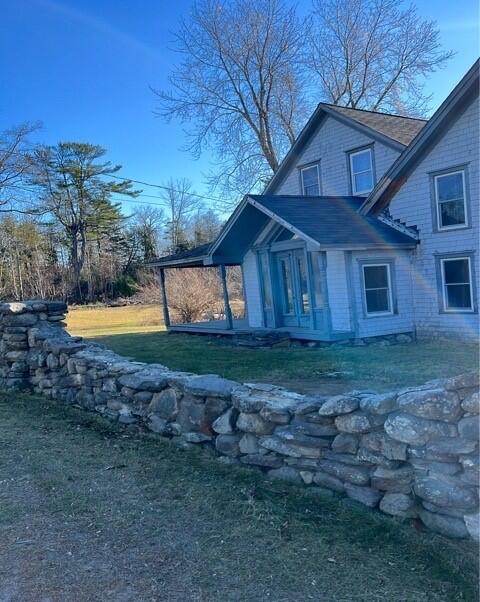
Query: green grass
x,y
327,369
89,511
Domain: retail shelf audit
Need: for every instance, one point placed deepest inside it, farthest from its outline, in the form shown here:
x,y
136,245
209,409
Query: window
x,y
361,171
377,289
450,200
303,284
317,279
287,286
265,278
457,284
310,177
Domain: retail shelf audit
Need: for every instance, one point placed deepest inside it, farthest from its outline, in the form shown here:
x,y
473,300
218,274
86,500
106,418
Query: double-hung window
x,y
361,171
310,178
377,289
450,200
456,273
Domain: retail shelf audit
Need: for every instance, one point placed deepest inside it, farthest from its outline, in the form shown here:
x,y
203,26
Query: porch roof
x,y
191,258
333,221
323,221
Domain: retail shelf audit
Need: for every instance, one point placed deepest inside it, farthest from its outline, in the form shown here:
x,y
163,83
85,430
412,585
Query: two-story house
x,y
369,227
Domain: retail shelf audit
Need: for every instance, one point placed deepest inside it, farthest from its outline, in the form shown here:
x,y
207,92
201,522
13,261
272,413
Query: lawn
x,y
92,512
136,331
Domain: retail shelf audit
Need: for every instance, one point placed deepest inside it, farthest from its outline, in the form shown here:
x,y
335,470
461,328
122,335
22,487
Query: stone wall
x,y
412,453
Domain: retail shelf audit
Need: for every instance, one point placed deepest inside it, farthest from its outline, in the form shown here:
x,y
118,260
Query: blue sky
x,y
84,67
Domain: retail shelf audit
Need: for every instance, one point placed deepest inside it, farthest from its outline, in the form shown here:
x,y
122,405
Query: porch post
x,y
226,302
166,316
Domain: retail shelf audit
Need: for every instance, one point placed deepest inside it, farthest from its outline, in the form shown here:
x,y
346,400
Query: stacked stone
x,y
411,453
18,323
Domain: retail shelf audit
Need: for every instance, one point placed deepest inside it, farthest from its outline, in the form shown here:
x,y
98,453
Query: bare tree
x,y
147,224
374,54
194,294
180,205
205,226
15,162
239,81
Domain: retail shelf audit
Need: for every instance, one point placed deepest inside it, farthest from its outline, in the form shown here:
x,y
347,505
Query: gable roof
x,y
325,222
331,221
442,120
394,131
397,127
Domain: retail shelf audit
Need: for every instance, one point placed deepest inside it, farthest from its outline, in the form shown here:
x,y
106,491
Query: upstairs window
x,y
361,171
450,200
457,284
310,178
377,289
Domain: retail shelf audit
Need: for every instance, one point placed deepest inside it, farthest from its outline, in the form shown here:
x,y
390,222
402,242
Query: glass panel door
x,y
294,298
301,278
286,283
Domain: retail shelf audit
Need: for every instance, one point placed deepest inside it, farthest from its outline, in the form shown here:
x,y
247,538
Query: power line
x,y
163,187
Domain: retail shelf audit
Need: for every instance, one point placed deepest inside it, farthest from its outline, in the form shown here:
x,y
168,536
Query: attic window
x,y
310,178
361,171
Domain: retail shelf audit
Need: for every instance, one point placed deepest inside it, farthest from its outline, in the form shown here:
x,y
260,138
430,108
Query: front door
x,y
293,289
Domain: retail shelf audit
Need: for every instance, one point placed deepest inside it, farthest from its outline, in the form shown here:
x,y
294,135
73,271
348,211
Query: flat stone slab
x,y
145,380
209,385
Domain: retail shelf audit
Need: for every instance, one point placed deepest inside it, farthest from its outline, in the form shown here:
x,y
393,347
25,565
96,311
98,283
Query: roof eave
x,y
187,262
396,175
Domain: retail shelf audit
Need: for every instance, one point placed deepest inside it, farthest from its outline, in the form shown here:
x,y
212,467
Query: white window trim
x,y
353,174
302,169
390,294
463,310
437,202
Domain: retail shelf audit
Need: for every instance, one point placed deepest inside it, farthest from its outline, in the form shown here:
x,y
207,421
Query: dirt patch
x,y
90,512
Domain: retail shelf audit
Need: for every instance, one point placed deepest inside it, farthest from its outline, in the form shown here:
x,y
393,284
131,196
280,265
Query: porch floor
x,y
213,327
241,327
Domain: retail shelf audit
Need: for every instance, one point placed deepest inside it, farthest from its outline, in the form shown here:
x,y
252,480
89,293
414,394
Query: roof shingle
x,y
399,128
333,221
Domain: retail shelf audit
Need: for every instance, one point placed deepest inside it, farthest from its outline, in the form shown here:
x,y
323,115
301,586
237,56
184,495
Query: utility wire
x,y
163,187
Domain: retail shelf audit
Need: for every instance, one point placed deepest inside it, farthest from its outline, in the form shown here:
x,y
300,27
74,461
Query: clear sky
x,y
84,68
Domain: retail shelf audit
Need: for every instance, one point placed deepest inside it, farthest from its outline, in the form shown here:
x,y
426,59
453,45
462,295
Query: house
x,y
369,228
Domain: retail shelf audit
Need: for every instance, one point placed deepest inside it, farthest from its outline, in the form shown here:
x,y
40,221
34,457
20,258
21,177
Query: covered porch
x,y
297,258
223,321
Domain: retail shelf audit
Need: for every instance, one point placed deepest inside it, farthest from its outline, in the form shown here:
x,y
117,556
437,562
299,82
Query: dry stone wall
x,y
412,453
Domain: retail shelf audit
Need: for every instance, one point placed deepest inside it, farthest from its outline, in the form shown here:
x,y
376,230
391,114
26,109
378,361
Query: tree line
x,y
63,232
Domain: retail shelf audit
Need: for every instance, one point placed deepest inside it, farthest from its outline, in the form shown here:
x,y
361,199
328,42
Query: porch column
x,y
226,302
166,315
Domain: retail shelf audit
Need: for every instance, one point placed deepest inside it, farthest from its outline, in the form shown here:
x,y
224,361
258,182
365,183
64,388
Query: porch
x,y
297,259
241,329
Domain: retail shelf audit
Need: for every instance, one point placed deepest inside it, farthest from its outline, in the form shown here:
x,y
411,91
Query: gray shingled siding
x,y
413,205
402,318
329,145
